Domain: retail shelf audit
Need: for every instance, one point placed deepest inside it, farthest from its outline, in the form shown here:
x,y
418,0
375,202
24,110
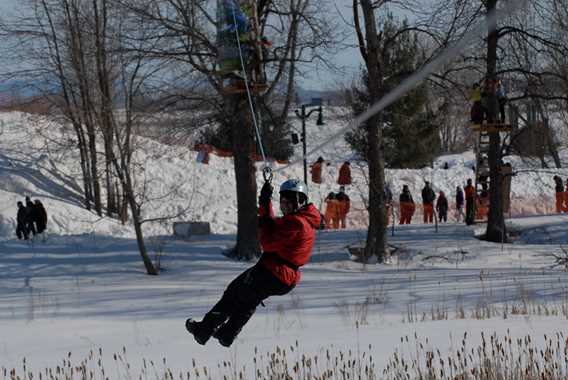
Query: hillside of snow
x,y
81,294
37,158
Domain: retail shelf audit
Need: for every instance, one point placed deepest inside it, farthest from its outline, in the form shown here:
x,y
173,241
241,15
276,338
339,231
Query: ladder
x,y
482,171
482,176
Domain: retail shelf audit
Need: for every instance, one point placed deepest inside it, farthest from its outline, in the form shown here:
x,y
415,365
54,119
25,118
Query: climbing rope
x,y
267,172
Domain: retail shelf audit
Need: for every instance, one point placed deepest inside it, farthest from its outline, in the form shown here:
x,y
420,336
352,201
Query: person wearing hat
x,y
344,206
286,244
407,206
428,197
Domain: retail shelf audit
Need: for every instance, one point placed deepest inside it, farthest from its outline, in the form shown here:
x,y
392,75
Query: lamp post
x,y
303,116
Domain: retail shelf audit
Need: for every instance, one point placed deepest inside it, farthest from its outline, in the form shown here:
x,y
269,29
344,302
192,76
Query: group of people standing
x,y
336,205
440,203
31,219
408,207
480,97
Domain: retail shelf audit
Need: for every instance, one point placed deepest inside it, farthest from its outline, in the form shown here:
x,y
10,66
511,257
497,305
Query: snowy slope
x,y
37,159
84,289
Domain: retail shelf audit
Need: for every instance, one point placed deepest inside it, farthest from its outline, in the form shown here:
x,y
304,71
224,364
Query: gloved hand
x,y
265,221
265,194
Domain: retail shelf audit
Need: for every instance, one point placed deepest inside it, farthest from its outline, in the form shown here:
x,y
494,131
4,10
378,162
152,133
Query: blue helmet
x,y
294,185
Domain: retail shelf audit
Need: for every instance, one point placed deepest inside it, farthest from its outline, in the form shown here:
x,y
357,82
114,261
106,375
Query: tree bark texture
x,y
496,231
247,246
376,235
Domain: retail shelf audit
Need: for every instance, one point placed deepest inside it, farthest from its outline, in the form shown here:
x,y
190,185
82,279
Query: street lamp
x,y
303,116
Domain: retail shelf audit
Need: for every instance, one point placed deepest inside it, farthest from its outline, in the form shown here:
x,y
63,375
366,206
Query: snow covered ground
x,y
84,287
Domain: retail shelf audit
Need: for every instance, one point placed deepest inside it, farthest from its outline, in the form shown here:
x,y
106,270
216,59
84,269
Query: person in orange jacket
x,y
565,198
331,214
407,206
316,170
559,188
388,201
286,243
344,205
344,174
469,191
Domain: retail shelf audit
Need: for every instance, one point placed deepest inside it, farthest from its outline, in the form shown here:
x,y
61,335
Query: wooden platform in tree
x,y
491,127
255,88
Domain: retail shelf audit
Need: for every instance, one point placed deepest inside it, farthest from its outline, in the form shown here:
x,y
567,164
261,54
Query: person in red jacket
x,y
469,191
344,174
286,243
316,170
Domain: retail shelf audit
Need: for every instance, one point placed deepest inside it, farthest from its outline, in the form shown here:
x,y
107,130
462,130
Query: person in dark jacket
x,y
21,230
40,216
286,243
344,206
407,206
442,207
30,216
459,204
428,197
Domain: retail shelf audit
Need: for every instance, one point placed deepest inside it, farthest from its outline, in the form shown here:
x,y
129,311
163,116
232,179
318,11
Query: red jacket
x,y
316,172
287,242
469,191
344,175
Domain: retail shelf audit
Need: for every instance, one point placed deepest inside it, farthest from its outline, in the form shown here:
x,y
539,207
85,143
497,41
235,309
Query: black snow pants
x,y
22,231
239,302
469,211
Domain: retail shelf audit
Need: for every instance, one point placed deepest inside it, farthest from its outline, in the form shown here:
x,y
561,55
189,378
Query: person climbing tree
x,y
316,170
344,174
286,243
428,197
407,206
469,191
502,99
477,112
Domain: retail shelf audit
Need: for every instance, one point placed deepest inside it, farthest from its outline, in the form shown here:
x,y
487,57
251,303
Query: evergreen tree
x,y
411,139
275,134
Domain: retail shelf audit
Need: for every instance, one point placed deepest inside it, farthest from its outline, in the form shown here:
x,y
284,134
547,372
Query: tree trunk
x,y
135,210
85,167
496,231
247,246
376,235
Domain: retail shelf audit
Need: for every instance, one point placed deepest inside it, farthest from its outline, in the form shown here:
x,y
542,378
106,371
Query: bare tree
x,y
298,31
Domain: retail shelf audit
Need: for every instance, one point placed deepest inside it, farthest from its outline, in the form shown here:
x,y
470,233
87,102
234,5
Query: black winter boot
x,y
194,329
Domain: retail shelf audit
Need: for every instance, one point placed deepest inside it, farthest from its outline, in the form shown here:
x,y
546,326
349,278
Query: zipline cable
x,y
266,171
419,76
